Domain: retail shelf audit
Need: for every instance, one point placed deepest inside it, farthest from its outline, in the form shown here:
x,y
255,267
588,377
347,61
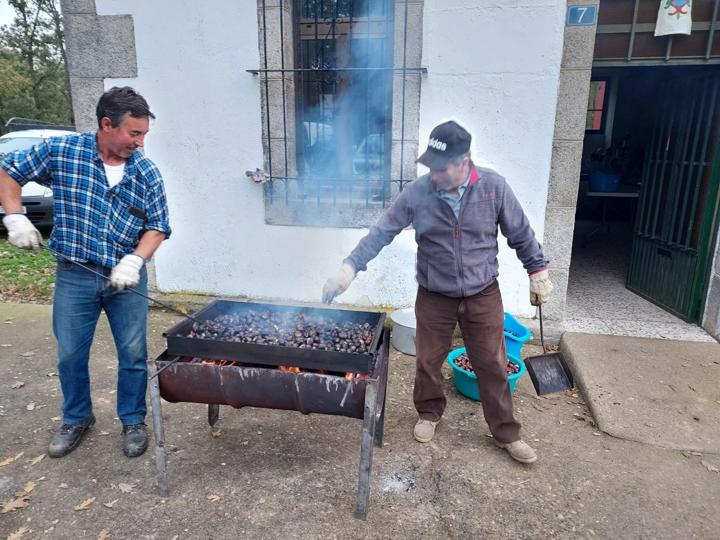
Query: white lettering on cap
x,y
437,145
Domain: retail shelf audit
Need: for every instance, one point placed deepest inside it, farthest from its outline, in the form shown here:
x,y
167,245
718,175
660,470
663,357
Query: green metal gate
x,y
678,203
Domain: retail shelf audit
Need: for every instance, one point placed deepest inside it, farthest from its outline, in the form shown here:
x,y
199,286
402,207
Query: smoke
x,y
342,118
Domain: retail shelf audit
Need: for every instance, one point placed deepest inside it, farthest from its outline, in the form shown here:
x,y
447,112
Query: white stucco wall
x,y
501,83
494,68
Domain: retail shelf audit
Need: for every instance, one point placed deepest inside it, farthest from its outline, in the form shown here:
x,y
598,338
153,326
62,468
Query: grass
x,y
25,276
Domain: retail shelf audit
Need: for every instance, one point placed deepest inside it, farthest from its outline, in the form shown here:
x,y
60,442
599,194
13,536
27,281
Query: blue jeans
x,y
79,298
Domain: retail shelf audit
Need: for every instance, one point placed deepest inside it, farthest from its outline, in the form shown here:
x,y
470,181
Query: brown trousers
x,y
481,322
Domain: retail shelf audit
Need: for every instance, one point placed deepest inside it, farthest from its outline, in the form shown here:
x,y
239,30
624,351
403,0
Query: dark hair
x,y
116,102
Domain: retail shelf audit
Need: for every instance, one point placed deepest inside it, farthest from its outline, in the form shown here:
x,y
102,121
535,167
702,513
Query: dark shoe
x,y
135,440
68,437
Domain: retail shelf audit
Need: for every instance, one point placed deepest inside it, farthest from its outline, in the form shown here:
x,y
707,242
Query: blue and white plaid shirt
x,y
93,222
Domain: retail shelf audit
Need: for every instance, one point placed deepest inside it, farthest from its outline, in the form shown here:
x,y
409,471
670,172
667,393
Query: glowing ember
x,y
292,369
289,368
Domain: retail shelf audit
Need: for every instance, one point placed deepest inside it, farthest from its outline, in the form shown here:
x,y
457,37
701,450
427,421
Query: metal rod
x,y
159,371
402,122
159,433
267,92
711,34
693,163
213,414
366,449
542,335
296,70
670,223
284,98
127,289
632,31
703,152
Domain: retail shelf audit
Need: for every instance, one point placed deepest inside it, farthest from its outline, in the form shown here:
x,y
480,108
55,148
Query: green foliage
x,y
32,64
25,276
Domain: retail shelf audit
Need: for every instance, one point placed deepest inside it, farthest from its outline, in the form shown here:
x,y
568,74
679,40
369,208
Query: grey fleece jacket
x,y
456,257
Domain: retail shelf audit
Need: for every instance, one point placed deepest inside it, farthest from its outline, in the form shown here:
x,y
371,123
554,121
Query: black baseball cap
x,y
448,140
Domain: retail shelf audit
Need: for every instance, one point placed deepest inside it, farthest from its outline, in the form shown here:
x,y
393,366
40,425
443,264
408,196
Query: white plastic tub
x,y
403,334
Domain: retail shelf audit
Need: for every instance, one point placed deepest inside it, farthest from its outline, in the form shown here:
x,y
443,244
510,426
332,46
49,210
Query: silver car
x,y
37,200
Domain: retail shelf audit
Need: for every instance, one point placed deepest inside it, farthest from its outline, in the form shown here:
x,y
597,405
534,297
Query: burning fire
x,y
289,368
293,369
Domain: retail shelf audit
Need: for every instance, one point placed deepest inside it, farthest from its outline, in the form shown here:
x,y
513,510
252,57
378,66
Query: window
x,y
337,138
597,99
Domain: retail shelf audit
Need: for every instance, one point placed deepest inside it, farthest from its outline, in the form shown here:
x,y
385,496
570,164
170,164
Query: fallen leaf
x,y
111,503
28,488
691,388
104,535
214,498
85,504
672,388
216,433
9,460
709,466
22,531
15,504
30,406
16,385
28,354
126,488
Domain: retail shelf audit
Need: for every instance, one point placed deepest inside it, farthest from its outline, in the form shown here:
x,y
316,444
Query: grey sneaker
x,y
424,430
68,437
519,451
135,440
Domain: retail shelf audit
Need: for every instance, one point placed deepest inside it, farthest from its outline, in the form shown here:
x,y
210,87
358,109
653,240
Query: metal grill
x,y
309,383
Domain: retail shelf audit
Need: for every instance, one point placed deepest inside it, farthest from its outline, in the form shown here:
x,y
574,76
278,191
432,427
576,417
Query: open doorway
x,y
647,161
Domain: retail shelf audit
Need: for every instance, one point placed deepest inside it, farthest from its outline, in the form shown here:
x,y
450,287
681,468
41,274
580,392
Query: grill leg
x,y
159,431
380,428
213,414
366,449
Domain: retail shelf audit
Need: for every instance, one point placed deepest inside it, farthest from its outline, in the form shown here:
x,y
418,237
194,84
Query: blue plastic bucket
x,y
516,335
466,382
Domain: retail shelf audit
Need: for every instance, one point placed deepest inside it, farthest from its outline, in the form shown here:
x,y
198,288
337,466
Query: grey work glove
x,y
338,283
22,233
127,272
540,287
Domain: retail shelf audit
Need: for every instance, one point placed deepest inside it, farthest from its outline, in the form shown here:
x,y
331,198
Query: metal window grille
x,y
625,36
328,78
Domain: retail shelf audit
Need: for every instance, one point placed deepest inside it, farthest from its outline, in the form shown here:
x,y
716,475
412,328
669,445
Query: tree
x,y
32,64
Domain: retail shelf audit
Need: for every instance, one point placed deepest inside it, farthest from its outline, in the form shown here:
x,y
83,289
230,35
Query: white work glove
x,y
540,287
127,272
21,232
338,283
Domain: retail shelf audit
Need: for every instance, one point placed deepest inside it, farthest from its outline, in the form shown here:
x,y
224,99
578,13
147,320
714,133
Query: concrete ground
x,y
278,474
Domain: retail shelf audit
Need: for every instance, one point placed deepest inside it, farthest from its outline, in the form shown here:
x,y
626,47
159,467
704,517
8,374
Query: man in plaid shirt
x,y
110,215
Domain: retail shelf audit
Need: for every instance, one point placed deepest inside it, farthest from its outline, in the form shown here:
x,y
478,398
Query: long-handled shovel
x,y
548,371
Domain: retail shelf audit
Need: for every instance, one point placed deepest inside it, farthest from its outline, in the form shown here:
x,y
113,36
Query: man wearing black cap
x,y
456,210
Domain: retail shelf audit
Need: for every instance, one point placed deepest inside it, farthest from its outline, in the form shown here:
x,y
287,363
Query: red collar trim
x,y
474,176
